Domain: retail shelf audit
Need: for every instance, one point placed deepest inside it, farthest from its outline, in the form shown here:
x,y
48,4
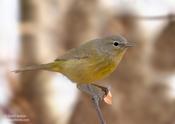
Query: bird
x,y
90,62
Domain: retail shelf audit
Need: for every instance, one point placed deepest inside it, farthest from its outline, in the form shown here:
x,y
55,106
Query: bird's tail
x,y
34,67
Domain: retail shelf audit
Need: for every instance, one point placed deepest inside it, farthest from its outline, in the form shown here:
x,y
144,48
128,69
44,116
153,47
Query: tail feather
x,y
33,67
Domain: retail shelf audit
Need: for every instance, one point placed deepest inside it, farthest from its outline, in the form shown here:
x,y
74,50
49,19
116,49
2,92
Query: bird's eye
x,y
115,43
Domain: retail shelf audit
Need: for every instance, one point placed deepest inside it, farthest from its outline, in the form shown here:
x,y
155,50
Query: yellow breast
x,y
88,70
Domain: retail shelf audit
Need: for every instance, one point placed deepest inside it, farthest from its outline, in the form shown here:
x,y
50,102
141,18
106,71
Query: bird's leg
x,y
107,96
97,94
105,89
92,90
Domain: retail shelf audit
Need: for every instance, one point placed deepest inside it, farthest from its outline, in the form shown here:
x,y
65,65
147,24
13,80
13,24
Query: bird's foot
x,y
100,92
107,96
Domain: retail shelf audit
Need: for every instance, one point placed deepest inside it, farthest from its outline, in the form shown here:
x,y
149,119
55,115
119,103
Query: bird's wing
x,y
75,54
85,51
69,58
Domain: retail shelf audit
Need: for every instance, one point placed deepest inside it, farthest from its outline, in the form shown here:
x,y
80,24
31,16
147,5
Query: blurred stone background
x,y
143,85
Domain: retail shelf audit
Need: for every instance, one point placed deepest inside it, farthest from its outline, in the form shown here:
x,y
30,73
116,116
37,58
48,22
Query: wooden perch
x,y
98,93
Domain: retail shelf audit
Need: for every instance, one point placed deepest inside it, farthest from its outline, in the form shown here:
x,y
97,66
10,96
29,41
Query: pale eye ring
x,y
115,43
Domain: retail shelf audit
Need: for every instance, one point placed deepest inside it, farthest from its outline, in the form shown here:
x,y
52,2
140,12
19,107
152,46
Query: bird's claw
x,y
97,92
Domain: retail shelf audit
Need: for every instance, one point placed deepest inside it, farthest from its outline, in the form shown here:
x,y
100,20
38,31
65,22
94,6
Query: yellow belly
x,y
88,71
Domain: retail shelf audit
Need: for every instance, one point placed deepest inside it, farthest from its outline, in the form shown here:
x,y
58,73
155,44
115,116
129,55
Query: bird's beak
x,y
130,44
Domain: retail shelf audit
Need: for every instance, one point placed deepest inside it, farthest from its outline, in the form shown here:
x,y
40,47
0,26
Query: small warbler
x,y
90,62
